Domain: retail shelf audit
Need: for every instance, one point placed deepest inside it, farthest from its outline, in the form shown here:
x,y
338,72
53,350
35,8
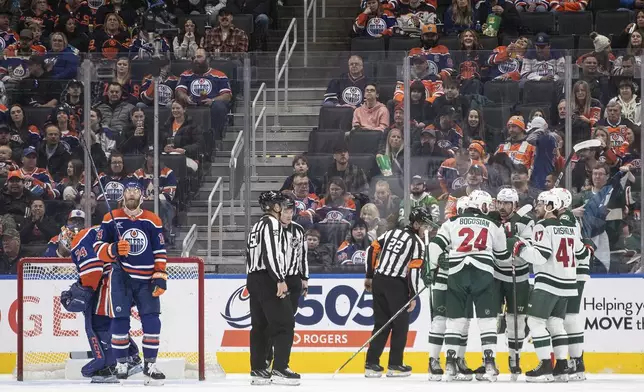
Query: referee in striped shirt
x,y
393,275
270,310
293,247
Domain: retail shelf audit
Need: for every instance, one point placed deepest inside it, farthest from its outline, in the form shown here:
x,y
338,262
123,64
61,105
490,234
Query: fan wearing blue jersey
x,y
89,296
133,238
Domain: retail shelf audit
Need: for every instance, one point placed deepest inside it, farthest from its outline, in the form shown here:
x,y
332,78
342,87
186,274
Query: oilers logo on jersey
x,y
376,26
545,69
511,65
201,87
433,67
352,95
334,216
137,239
358,258
459,183
114,190
18,72
165,95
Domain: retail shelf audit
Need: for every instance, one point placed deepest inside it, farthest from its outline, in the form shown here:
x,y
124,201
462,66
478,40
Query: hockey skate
x,y
542,373
561,370
134,365
285,377
398,371
515,367
491,371
479,372
451,367
260,377
464,373
152,375
434,369
373,371
122,370
577,370
107,375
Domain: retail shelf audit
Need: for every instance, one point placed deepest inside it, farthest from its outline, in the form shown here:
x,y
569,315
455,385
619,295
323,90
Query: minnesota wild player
x,y
574,323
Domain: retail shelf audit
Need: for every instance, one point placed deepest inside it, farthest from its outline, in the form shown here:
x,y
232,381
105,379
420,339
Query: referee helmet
x,y
420,215
269,198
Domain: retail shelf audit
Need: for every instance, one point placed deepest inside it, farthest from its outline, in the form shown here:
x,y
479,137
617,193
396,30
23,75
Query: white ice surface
x,y
342,383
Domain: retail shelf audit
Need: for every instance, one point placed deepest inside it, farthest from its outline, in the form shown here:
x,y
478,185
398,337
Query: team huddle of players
x,y
120,263
480,260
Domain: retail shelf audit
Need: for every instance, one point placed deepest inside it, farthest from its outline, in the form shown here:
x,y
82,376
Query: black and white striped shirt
x,y
263,250
395,253
293,247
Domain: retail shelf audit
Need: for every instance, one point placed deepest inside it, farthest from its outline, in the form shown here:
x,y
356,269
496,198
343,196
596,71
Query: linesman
x,y
393,274
270,310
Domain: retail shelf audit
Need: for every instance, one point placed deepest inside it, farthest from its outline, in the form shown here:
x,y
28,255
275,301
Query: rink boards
x,y
333,321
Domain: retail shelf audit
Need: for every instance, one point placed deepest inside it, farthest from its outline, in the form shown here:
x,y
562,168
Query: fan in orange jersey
x,y
517,147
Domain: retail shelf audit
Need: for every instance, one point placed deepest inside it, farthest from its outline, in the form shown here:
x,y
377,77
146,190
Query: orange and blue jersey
x,y
27,137
89,266
502,62
13,50
343,213
110,46
42,184
167,183
72,139
144,232
7,38
210,85
114,186
52,248
375,25
438,58
520,152
349,253
166,90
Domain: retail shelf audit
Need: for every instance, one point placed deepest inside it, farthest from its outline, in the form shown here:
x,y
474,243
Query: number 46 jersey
x,y
470,238
555,252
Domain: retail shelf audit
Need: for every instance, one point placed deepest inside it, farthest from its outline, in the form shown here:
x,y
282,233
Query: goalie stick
x,y
592,143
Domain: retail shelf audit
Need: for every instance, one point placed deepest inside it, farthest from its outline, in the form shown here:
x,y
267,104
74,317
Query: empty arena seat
x,y
332,233
611,22
370,49
502,91
367,162
538,91
364,142
577,23
318,165
404,44
37,116
538,22
323,142
133,162
335,118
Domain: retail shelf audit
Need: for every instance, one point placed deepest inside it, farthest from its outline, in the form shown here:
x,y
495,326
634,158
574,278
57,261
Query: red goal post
x,y
47,346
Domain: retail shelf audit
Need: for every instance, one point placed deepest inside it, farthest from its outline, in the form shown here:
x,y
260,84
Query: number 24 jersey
x,y
469,238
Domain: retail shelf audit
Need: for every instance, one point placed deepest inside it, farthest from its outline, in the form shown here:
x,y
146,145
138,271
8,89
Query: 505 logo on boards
x,y
325,308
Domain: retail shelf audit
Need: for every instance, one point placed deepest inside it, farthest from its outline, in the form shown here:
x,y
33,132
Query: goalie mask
x,y
67,234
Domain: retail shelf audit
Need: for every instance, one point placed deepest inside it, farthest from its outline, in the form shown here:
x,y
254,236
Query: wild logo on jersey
x,y
376,26
114,190
352,95
201,87
138,241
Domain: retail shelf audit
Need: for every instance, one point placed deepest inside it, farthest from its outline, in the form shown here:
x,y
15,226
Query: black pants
x,y
389,295
294,284
271,318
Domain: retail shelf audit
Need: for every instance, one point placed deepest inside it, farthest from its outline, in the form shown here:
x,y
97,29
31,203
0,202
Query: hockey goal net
x,y
52,343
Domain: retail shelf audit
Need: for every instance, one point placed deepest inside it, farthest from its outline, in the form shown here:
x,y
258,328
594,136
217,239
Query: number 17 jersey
x,y
471,238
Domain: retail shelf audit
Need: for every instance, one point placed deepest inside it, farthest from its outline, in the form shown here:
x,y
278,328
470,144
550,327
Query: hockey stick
x,y
431,304
378,332
592,143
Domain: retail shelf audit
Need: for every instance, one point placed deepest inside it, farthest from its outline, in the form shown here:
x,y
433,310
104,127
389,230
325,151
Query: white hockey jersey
x,y
555,251
517,227
470,238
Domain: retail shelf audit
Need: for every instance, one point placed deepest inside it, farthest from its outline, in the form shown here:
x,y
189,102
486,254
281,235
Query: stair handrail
x,y
283,70
256,119
213,216
189,241
237,149
308,5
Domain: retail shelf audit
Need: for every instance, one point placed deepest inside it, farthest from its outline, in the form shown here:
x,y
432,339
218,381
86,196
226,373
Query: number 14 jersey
x,y
470,238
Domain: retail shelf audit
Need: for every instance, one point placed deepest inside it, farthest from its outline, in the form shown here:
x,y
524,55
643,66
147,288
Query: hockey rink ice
x,y
341,383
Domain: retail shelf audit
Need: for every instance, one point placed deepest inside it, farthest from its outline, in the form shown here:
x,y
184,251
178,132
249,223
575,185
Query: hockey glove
x,y
518,247
121,248
77,298
159,283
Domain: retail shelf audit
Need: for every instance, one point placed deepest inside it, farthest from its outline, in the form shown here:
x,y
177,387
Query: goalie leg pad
x,y
559,337
151,330
98,344
540,337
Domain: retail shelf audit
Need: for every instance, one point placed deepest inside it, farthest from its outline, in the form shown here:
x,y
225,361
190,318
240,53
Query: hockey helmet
x,y
550,198
481,200
462,204
564,196
288,202
507,195
269,198
420,215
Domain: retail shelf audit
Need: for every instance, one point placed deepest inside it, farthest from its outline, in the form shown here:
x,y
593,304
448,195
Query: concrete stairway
x,y
306,90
